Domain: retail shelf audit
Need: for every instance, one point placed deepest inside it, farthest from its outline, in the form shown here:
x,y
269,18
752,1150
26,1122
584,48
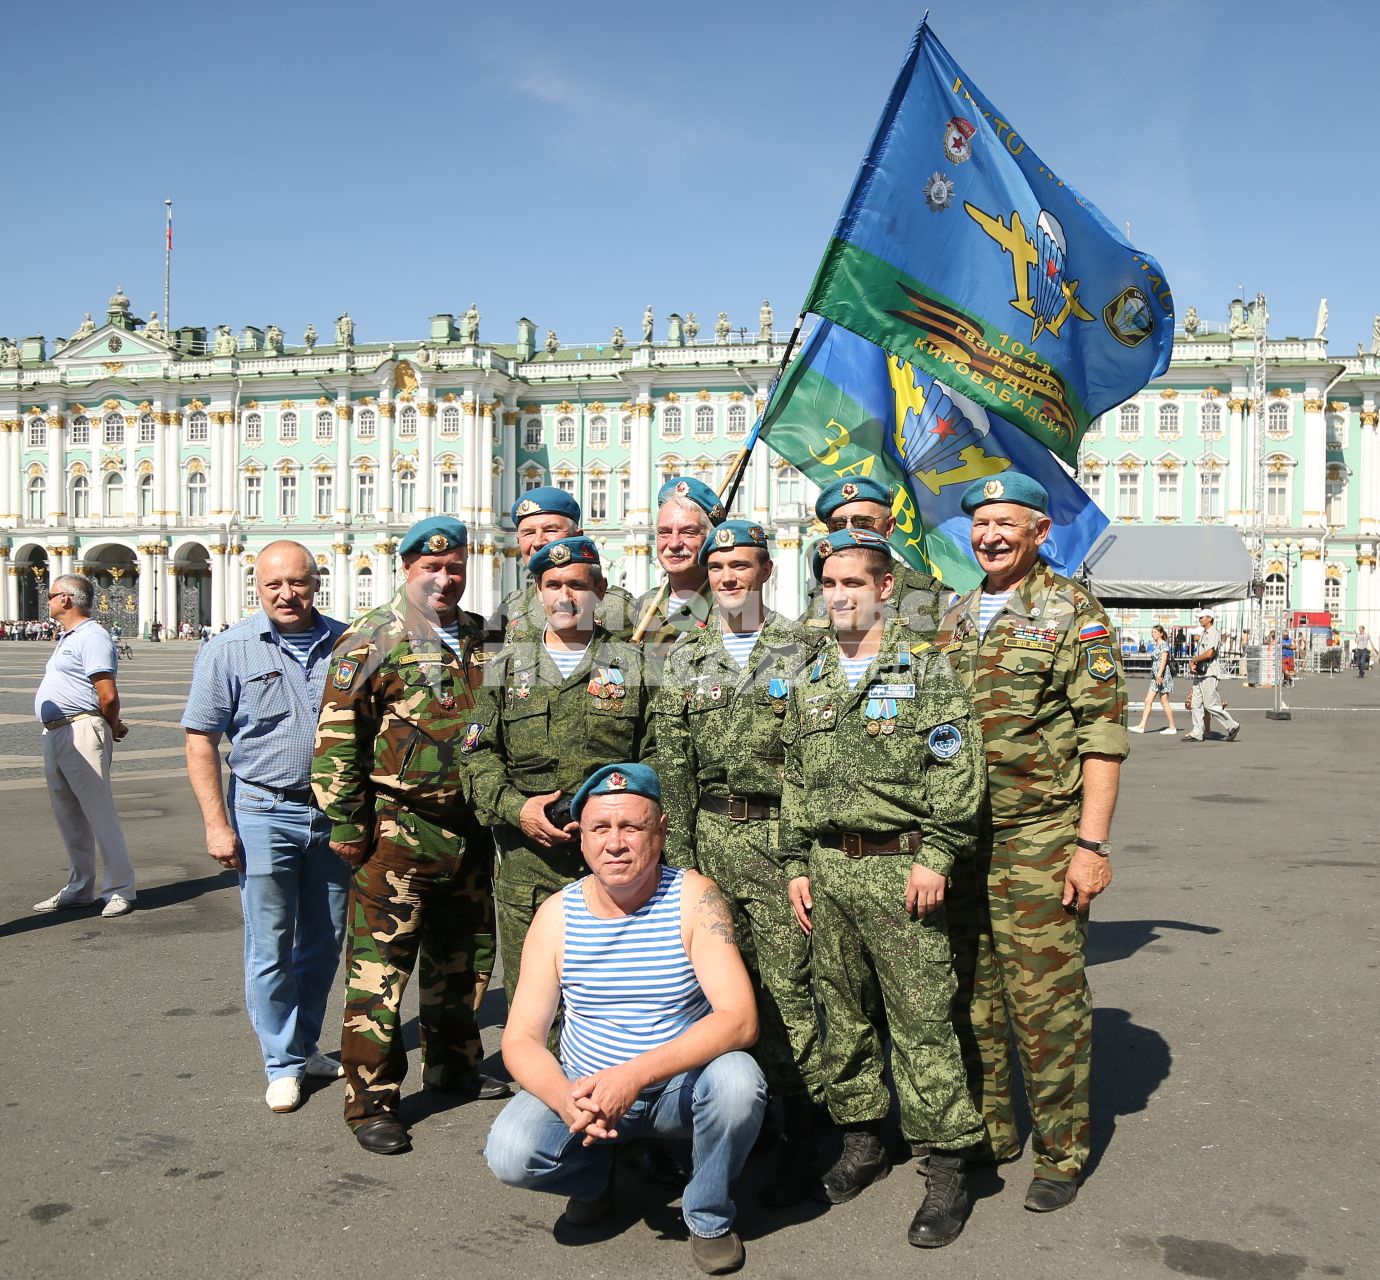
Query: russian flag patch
x,y
1093,631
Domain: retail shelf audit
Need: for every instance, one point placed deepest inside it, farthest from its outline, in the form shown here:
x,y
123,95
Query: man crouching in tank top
x,y
658,1009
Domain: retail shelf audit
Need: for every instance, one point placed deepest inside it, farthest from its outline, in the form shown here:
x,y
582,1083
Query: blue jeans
x,y
717,1106
293,892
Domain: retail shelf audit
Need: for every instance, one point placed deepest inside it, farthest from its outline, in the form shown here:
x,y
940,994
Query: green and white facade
x,y
162,471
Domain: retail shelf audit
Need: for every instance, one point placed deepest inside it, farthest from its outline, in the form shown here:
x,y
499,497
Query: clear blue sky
x,y
575,162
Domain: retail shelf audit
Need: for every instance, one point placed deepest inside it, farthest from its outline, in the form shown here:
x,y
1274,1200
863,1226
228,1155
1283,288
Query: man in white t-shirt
x,y
79,707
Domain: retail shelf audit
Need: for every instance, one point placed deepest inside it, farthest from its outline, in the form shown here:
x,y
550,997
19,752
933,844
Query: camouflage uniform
x,y
1047,688
521,614
921,771
387,772
918,598
717,722
540,733
668,627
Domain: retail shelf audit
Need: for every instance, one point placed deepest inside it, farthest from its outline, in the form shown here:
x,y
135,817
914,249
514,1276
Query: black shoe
x,y
471,1085
864,1161
794,1171
717,1255
1046,1195
384,1135
1232,732
940,1218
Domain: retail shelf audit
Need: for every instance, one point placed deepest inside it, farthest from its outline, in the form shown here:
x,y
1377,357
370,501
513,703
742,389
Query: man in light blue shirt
x,y
260,685
79,707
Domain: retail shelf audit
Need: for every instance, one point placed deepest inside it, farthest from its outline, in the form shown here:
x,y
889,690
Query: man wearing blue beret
x,y
1039,656
718,724
387,774
687,510
540,516
657,1010
863,503
555,705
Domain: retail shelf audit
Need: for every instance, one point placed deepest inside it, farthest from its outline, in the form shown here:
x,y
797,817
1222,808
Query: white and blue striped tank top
x,y
627,984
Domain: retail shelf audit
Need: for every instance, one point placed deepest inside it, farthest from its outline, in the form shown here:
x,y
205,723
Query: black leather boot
x,y
940,1218
864,1161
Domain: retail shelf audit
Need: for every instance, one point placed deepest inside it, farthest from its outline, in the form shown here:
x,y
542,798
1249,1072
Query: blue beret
x,y
844,539
434,536
835,495
734,533
697,492
547,500
1010,486
564,551
617,780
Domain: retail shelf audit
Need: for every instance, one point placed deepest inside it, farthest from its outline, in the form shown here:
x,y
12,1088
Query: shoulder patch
x,y
945,741
1090,631
471,740
1101,661
345,671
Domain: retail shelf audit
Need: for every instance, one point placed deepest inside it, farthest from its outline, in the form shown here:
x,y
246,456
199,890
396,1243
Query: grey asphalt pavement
x,y
1234,966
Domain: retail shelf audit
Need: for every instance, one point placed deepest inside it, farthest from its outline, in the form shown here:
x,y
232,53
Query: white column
x,y
1369,506
787,577
469,459
383,495
1308,591
1314,461
230,479
484,464
170,612
12,590
146,572
1236,493
172,471
9,476
160,464
217,550
384,566
214,504
344,428
343,589
426,458
58,515
641,492
234,583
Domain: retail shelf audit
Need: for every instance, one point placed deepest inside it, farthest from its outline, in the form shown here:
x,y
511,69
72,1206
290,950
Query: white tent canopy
x,y
1199,564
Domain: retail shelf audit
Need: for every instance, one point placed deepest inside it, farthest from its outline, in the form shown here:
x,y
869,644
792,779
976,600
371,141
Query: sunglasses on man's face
x,y
834,524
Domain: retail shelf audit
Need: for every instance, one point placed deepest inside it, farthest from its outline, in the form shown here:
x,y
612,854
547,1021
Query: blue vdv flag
x,y
960,251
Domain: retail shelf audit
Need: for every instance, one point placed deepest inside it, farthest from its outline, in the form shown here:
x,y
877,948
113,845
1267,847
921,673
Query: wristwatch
x,y
1102,848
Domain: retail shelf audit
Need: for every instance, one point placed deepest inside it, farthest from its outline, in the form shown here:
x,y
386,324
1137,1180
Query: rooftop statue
x,y
309,338
1321,330
617,342
1191,322
647,321
764,319
722,329
344,331
152,327
273,339
87,326
692,326
553,343
469,326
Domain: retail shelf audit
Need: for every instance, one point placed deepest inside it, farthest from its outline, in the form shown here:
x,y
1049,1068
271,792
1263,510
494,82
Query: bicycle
x,y
124,649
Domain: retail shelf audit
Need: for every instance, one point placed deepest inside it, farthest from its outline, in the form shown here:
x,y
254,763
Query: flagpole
x,y
167,275
729,489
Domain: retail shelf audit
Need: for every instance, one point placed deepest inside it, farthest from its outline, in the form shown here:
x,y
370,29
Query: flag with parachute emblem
x,y
846,407
961,252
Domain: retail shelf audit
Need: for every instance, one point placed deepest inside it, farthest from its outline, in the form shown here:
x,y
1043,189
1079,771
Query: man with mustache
x,y
687,510
1038,655
555,706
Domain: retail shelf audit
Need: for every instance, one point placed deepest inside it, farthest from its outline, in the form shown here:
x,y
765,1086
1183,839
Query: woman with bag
x,y
1161,681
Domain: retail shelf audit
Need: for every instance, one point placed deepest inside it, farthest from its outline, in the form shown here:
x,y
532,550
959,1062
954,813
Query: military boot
x,y
862,1162
939,1220
795,1167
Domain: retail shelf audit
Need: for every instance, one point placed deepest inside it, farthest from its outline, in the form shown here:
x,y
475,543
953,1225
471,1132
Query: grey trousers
x,y
76,763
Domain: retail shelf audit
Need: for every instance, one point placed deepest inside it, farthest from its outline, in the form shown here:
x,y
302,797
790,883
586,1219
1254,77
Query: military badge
x,y
724,538
958,139
1128,317
471,740
945,742
717,513
527,507
757,534
848,492
345,673
446,700
939,192
1101,661
616,782
683,488
437,543
1093,631
993,489
559,554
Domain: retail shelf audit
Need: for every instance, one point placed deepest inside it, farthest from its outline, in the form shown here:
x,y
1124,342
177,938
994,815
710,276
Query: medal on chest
x,y
778,692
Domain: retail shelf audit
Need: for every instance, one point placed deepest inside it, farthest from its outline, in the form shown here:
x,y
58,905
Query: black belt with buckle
x,y
739,808
295,795
856,846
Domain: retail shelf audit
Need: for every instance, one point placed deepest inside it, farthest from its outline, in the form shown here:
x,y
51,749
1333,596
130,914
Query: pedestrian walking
x,y
1205,700
1161,681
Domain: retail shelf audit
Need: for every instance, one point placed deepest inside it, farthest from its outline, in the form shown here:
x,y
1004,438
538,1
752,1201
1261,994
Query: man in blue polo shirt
x,y
260,684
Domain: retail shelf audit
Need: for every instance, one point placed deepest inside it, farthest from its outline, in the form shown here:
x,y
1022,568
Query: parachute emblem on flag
x,y
1128,317
938,443
1052,251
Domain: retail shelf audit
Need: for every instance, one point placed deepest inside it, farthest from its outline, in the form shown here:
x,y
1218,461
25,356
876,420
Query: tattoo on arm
x,y
715,913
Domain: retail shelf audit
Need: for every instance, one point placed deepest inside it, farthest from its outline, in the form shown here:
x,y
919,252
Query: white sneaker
x,y
62,901
327,1068
1169,731
1135,728
284,1094
115,905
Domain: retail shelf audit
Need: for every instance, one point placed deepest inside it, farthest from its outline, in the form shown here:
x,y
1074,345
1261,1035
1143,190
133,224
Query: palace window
x,y
1209,495
115,496
196,496
1332,596
37,499
450,492
597,508
146,497
1168,503
1091,481
788,487
1277,419
251,597
1128,421
146,428
1336,495
1169,420
364,493
198,428
1336,431
531,433
366,424
625,425
1128,494
38,433
737,420
81,499
1096,427
671,423
624,494
704,473
1210,419
323,592
598,431
1275,601
565,432
252,502
113,429
325,427
1277,496
323,491
704,422
407,422
287,426
287,497
565,481
450,420
253,428
364,589
80,432
407,491
530,480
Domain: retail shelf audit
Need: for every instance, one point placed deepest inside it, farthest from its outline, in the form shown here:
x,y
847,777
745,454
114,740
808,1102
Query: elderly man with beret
x,y
1038,656
657,1011
388,775
687,511
555,705
540,516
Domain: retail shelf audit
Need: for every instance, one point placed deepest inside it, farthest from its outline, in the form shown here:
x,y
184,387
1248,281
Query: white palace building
x,y
160,462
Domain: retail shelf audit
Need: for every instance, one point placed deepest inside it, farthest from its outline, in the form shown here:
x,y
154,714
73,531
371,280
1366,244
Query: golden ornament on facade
x,y
196,466
387,409
467,407
1337,406
737,396
404,377
113,366
450,397
1169,393
384,548
486,409
341,548
703,395
324,402
510,418
645,410
216,548
1280,393
344,411
363,561
406,397
146,406
131,419
427,408
322,561
565,407
671,398
78,469
1236,406
285,467
760,403
56,421
1370,417
195,406
1313,406
1210,393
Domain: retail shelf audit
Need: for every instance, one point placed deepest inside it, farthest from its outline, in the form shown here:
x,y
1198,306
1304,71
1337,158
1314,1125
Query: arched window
x,y
531,433
287,427
737,420
366,423
407,422
1277,493
598,431
407,491
38,433
704,421
323,494
625,425
1332,595
565,481
325,426
671,422
1168,497
198,428
80,432
1169,420
450,491
37,499
146,428
252,500
597,507
113,429
1336,495
364,494
364,589
450,420
196,496
1128,423
1210,419
1128,493
1277,419
253,428
1275,602
323,592
788,487
81,498
1209,494
251,597
287,496
114,496
565,432
146,497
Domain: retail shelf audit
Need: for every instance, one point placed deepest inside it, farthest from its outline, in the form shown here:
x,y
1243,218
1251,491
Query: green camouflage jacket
x,y
918,598
718,726
396,709
1047,687
521,614
539,732
666,629
920,770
